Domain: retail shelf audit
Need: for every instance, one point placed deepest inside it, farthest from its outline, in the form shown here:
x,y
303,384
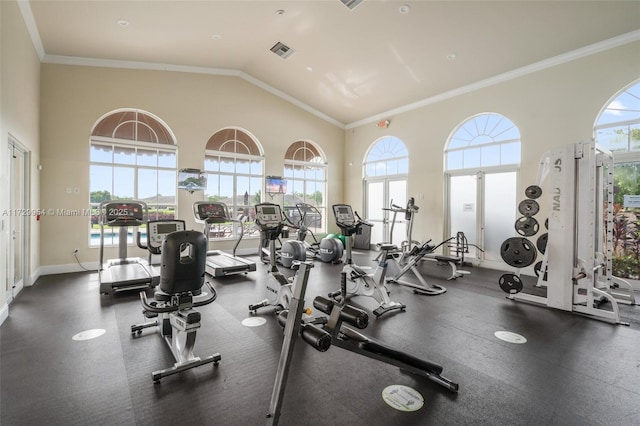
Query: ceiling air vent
x,y
282,50
351,4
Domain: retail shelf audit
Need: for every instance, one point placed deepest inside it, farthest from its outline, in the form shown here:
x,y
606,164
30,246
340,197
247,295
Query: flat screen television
x,y
192,180
276,185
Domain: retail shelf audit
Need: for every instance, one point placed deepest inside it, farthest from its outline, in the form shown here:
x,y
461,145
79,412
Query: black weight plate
x,y
510,283
527,226
541,243
533,192
518,252
537,268
546,224
528,207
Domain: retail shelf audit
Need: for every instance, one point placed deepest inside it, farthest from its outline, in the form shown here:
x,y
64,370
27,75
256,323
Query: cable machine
x,y
576,251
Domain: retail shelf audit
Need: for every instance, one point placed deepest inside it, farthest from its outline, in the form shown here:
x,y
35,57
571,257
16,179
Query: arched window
x,y
385,170
305,169
387,156
132,156
618,129
234,163
482,141
482,157
618,125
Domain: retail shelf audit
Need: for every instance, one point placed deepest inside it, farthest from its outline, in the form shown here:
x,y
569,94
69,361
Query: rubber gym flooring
x,y
571,371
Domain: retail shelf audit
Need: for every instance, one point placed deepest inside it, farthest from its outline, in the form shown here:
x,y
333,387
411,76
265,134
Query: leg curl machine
x,y
337,334
181,277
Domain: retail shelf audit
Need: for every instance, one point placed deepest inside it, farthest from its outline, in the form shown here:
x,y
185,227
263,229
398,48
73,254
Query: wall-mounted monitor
x,y
192,180
276,185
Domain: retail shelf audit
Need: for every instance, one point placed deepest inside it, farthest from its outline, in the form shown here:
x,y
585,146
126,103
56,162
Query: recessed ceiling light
x,y
216,37
451,56
122,22
309,69
404,9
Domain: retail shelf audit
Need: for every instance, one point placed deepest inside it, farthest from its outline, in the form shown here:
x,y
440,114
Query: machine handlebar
x,y
164,309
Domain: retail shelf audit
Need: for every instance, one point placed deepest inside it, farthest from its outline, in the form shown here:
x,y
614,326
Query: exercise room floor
x,y
571,371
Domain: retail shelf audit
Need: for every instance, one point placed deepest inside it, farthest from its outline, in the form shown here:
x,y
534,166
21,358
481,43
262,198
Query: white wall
x,y
553,107
19,116
194,106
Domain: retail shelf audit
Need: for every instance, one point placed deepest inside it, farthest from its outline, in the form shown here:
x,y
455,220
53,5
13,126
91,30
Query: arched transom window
x,y
388,156
485,140
618,126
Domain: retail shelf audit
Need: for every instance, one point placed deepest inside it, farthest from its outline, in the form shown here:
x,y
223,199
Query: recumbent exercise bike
x,y
182,272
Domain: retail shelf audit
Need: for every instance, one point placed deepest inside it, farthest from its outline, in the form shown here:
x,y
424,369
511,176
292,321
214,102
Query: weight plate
x,y
537,267
528,207
533,192
510,283
541,243
518,252
527,226
546,224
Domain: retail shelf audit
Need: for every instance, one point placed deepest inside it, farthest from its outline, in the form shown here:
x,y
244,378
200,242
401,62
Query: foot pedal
x,y
148,314
380,310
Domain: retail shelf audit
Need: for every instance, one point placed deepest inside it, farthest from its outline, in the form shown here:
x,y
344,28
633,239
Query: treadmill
x,y
123,273
221,264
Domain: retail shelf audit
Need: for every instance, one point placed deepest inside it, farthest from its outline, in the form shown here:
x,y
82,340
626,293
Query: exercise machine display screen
x,y
123,213
158,230
268,214
343,213
211,212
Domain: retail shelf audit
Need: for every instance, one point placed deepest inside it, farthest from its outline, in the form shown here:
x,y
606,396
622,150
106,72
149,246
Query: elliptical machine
x,y
279,289
356,281
328,250
181,278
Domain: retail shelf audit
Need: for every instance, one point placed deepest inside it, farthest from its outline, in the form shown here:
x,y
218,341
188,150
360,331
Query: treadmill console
x,y
124,214
210,212
344,214
157,230
268,216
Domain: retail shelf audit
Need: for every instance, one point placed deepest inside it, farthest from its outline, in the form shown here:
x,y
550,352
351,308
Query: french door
x,y
379,194
17,218
483,206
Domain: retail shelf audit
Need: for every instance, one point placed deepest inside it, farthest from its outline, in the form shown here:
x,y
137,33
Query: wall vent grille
x,y
351,4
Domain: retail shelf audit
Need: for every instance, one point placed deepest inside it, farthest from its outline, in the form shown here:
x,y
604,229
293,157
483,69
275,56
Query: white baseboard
x,y
68,268
31,280
4,313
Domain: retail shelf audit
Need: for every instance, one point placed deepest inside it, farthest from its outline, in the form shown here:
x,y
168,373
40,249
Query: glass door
x,y
483,206
463,211
17,219
380,193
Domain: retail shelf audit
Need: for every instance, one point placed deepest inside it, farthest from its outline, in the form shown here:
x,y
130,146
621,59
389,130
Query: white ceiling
x,y
350,66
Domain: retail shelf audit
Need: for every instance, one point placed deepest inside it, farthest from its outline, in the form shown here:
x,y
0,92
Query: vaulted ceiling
x,y
349,65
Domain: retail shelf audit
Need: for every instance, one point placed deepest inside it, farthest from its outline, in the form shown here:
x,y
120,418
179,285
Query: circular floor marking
x,y
89,334
510,337
253,321
402,398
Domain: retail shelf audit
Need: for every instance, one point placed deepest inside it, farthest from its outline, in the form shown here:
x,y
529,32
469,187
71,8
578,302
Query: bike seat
x,y
387,247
